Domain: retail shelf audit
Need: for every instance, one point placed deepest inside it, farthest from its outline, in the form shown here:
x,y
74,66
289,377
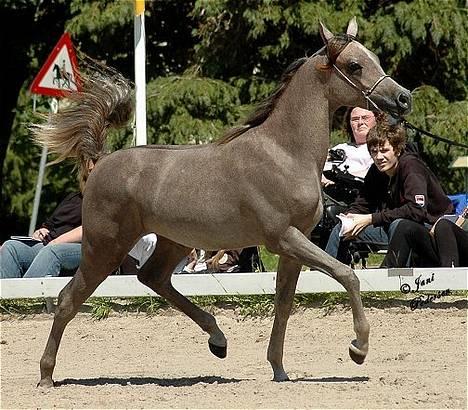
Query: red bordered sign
x,y
59,74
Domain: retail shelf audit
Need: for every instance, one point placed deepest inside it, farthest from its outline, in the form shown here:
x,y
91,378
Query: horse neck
x,y
300,122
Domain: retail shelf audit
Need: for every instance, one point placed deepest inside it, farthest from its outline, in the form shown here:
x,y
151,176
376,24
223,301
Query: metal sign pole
x,y
40,177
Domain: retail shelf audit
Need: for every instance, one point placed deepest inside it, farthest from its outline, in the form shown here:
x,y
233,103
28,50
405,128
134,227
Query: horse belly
x,y
210,221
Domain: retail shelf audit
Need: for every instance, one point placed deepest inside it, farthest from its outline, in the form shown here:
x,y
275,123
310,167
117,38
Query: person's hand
x,y
40,234
192,256
326,182
359,222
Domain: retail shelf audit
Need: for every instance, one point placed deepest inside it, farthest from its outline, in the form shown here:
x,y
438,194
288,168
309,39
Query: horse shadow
x,y
140,381
189,381
332,379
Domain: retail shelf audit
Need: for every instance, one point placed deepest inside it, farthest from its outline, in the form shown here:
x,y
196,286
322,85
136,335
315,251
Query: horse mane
x,y
266,107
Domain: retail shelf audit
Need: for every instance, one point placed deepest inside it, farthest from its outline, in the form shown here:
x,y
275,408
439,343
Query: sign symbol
x,y
59,73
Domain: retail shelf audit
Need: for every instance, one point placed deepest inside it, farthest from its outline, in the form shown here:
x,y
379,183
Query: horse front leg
x,y
156,274
286,280
295,244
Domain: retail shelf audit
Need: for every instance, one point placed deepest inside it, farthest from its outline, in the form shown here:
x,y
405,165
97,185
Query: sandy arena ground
x,y
417,360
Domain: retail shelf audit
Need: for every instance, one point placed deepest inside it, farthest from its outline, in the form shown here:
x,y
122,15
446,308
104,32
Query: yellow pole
x,y
139,7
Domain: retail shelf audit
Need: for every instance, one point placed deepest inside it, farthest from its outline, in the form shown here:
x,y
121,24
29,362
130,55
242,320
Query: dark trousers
x,y
452,244
411,245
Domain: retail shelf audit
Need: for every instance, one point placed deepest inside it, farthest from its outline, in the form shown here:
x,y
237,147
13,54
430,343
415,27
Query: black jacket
x,y
67,216
412,193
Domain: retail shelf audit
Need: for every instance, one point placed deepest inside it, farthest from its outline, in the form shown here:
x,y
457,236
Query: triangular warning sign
x,y
59,74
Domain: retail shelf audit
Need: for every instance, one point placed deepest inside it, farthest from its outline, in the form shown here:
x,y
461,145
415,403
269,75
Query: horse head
x,y
356,77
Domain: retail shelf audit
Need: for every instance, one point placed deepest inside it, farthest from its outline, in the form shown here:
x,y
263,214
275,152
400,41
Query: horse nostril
x,y
404,100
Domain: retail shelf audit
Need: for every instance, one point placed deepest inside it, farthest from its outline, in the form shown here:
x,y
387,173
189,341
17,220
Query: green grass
x,y
245,306
375,260
22,306
270,260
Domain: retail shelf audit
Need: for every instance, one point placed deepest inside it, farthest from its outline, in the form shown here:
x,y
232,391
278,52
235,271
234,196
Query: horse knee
x,y
353,280
349,279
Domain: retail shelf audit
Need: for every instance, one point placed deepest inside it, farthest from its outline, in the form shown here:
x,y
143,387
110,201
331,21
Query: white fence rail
x,y
246,283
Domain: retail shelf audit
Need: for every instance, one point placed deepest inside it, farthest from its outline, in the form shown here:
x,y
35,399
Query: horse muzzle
x,y
404,102
398,103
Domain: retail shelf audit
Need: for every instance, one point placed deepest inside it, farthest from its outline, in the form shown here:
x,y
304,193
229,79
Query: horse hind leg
x,y
70,299
92,272
156,274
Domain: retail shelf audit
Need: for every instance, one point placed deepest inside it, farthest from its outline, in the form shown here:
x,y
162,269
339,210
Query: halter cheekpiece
x,y
366,93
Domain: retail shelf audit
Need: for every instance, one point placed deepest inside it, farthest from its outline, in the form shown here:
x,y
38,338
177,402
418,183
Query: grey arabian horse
x,y
259,184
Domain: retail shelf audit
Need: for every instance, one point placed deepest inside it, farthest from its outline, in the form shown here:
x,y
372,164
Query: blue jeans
x,y
18,259
339,248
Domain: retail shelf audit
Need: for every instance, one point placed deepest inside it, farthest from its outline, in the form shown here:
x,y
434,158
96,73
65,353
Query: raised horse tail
x,y
79,130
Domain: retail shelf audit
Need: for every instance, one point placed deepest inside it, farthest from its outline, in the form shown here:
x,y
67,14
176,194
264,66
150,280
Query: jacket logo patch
x,y
420,200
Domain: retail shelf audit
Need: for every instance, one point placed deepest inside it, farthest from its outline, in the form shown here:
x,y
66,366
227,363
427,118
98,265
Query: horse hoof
x,y
356,354
219,351
46,382
281,378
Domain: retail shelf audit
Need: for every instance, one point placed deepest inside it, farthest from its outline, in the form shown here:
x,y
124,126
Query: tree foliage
x,y
209,61
189,109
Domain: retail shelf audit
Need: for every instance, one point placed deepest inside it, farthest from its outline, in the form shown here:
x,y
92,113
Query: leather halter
x,y
366,93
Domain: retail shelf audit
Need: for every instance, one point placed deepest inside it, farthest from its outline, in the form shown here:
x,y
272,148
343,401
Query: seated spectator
x,y
445,245
196,262
399,185
222,261
58,240
225,261
357,158
57,245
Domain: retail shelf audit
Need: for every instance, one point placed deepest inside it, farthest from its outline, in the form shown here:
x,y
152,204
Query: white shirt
x,y
357,159
144,248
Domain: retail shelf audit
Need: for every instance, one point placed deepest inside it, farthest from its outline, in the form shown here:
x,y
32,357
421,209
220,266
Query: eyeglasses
x,y
364,118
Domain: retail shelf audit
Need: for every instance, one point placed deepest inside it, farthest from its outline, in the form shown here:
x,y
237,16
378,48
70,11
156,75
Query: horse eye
x,y
353,66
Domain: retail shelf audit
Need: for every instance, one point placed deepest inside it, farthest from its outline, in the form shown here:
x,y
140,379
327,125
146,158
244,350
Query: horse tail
x,y
79,131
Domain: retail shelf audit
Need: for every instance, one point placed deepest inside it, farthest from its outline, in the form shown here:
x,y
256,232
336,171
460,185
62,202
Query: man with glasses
x,y
357,159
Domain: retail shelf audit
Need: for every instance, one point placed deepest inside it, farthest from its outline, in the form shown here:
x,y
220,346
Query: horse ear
x,y
325,33
352,27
